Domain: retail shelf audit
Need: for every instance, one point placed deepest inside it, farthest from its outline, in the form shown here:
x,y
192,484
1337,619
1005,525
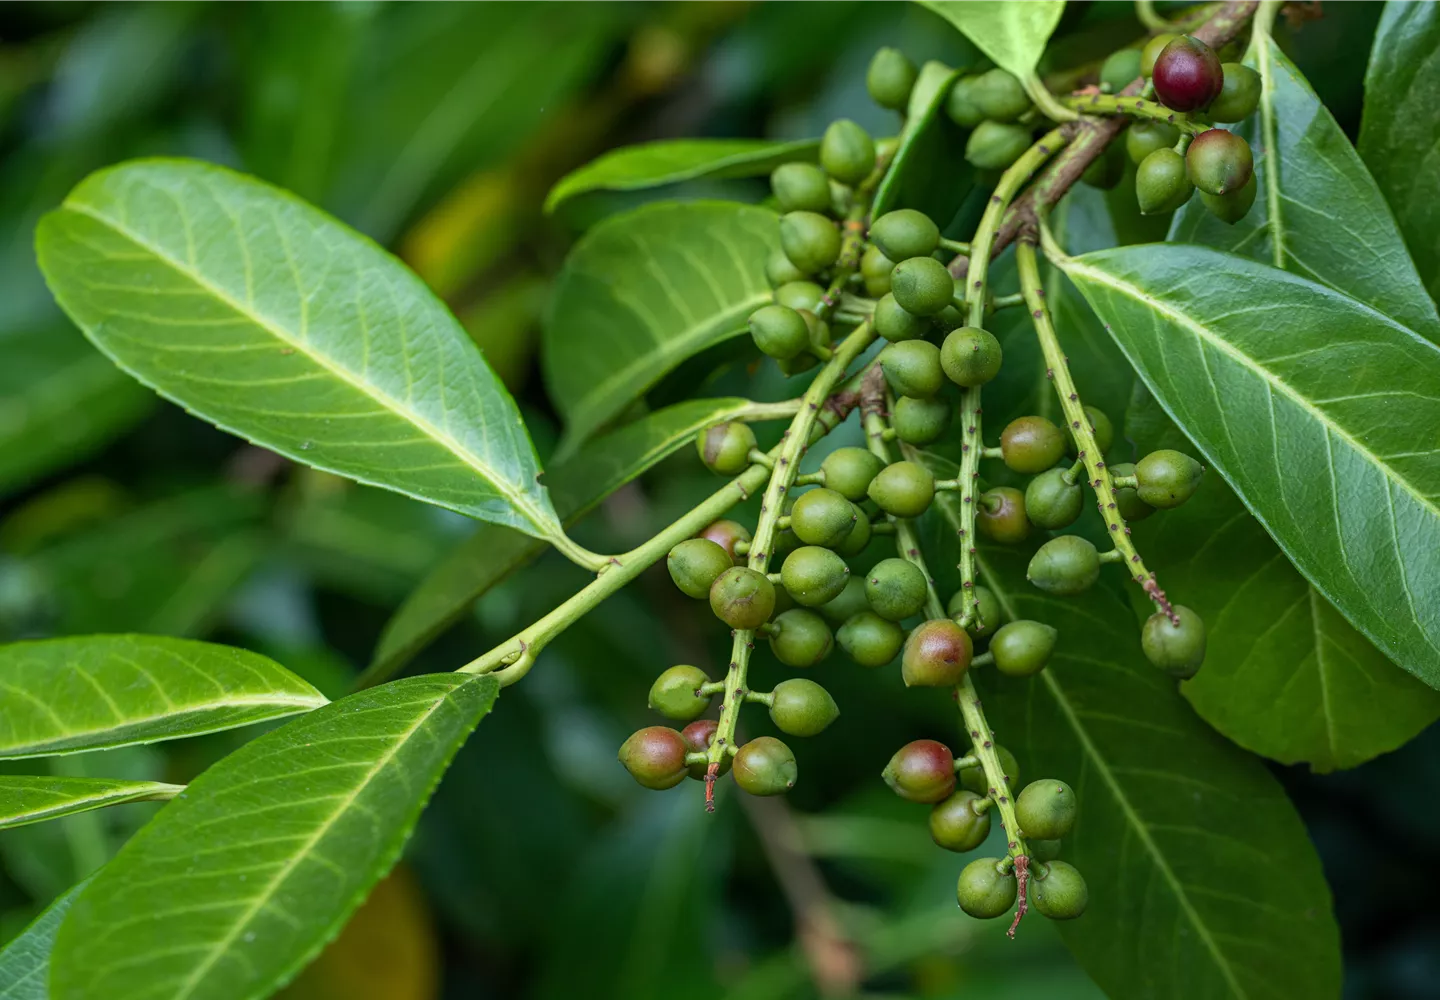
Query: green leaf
x,y
1012,34
27,799
929,172
669,161
492,554
1285,675
1399,129
101,691
643,291
25,962
272,320
1318,212
246,875
1321,413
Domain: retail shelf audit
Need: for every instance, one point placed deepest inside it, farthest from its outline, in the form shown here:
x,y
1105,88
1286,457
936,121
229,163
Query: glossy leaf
x,y
1399,129
272,320
492,554
1318,212
28,799
1012,34
25,962
669,161
258,864
1285,675
101,691
929,172
642,292
1320,412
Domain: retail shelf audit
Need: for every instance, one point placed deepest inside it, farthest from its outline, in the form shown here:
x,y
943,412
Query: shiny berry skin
x,y
905,233
960,104
1031,444
1219,161
1162,183
1001,516
725,448
1145,136
1151,52
698,736
922,285
1121,69
1167,478
800,295
1059,891
1022,648
851,601
890,78
674,695
956,826
875,268
726,534
800,707
1240,95
810,240
859,536
973,778
694,564
937,653
779,331
1101,429
896,589
1232,207
912,368
780,271
988,615
1187,75
922,771
870,640
1179,650
970,356
742,598
995,145
812,575
921,421
1051,502
655,757
849,472
765,766
801,187
983,891
1127,501
802,638
847,152
903,489
999,96
894,322
822,517
1065,566
1046,809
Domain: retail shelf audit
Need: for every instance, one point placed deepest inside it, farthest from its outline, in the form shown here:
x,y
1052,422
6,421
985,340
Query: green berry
x,y
999,96
890,79
800,295
921,421
1031,444
698,736
695,563
822,517
870,640
956,826
779,271
1152,51
801,187
725,448
1144,137
1219,162
984,891
894,322
912,367
973,777
851,601
1107,170
937,653
1043,850
849,472
1059,891
896,589
800,707
1127,501
970,356
922,285
1232,207
819,338
1167,478
1120,70
859,536
742,598
765,766
810,240
847,152
875,269
1161,183
922,771
801,638
1001,516
903,489
779,331
1065,566
1046,809
994,145
727,534
988,615
1051,502
1022,648
813,576
674,693
655,757
1239,96
905,233
1179,650
961,106
1101,429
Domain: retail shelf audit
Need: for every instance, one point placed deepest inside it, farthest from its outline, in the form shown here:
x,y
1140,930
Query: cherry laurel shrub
x,y
1053,521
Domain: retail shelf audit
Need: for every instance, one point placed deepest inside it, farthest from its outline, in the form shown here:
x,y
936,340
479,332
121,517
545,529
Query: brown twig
x,y
1022,878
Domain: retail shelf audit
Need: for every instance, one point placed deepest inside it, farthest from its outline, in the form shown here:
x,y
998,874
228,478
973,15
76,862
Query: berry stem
x,y
1145,13
1135,107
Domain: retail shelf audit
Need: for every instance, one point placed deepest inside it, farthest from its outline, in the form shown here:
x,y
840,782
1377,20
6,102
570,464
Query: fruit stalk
x,y
1135,107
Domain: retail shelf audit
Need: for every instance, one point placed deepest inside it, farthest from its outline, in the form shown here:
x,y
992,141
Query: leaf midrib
x,y
388,402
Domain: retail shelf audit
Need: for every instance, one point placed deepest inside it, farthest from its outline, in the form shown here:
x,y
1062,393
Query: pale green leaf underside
x,y
29,799
642,292
1317,212
25,962
670,161
248,873
1012,34
272,320
97,692
1324,415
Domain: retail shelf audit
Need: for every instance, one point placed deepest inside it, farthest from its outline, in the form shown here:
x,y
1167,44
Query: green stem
x,y
1046,101
1135,107
1145,12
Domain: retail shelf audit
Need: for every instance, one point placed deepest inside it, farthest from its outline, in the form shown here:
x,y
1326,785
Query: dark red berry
x,y
1187,75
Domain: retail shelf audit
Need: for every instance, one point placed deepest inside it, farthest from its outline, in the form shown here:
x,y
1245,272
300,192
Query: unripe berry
x,y
1219,161
851,601
1046,809
859,536
1120,70
1162,183
870,640
819,337
894,322
890,79
726,533
1043,850
800,707
905,233
822,517
1031,444
912,368
984,891
1187,74
1240,95
810,240
1051,502
813,576
800,295
921,421
970,356
801,187
1179,650
1022,648
1107,170
1233,206
1151,52
1101,429
742,598
1001,517
999,96
698,736
988,614
694,564
875,268
994,145
922,285
847,152
1065,566
765,766
937,653
802,639
895,589
922,771
849,472
655,757
956,826
779,331
1145,136
725,448
779,270
973,777
1167,478
903,489
1127,501
674,693
961,106
1059,891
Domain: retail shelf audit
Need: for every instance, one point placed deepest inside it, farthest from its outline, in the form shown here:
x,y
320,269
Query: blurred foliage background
x,y
540,870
